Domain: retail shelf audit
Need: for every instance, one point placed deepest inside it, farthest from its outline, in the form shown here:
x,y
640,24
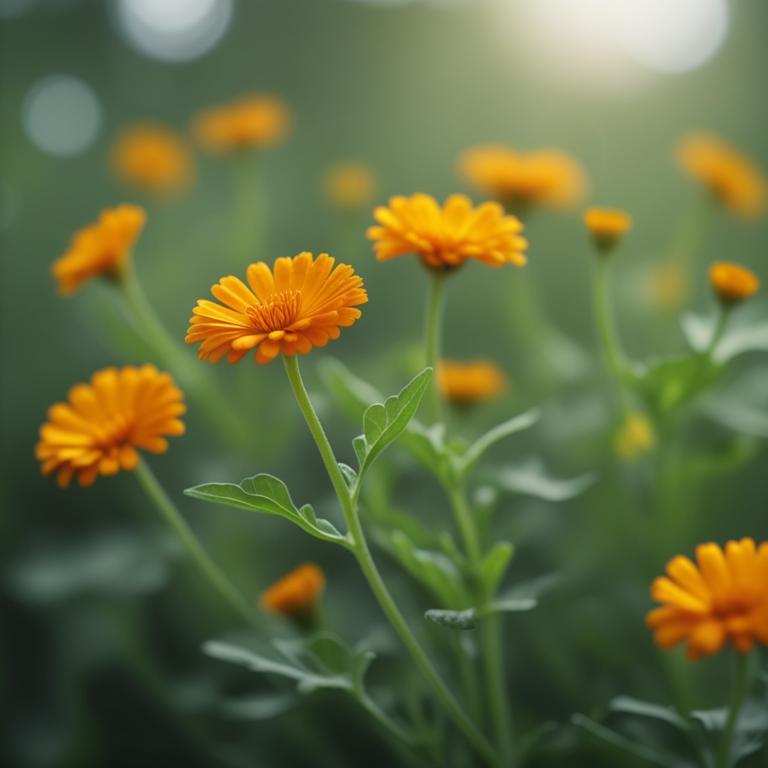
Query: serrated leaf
x,y
493,436
493,566
268,494
460,620
531,479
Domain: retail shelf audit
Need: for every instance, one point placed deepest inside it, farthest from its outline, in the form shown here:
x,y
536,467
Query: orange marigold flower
x,y
732,177
103,423
296,593
606,226
521,179
299,304
152,157
722,598
101,248
464,383
254,121
446,237
733,283
350,185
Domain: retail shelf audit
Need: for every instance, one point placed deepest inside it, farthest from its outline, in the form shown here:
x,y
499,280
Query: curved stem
x,y
172,516
740,688
612,354
433,323
718,331
370,571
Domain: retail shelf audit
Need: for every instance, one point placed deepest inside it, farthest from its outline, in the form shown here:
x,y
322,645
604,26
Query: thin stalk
x,y
606,330
739,690
172,516
433,323
366,562
718,330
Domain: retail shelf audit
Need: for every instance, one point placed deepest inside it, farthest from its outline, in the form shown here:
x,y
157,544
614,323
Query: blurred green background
x,y
101,621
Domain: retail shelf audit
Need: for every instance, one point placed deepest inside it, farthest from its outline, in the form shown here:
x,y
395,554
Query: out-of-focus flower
x,y
101,248
152,157
447,237
251,122
732,177
464,383
547,177
732,283
723,598
635,437
297,593
350,186
299,304
667,285
99,429
606,226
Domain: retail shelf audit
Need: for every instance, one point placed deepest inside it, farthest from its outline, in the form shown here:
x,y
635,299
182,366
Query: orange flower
x,y
446,237
520,179
99,249
104,422
721,599
732,283
606,226
301,303
467,383
350,186
152,157
736,181
254,121
296,593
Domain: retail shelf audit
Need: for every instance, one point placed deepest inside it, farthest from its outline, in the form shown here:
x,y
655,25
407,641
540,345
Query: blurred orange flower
x,y
635,437
723,598
103,423
299,304
351,185
447,237
101,248
732,177
296,593
732,283
464,383
606,226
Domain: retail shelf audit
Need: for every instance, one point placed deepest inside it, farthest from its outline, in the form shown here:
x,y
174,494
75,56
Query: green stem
x,y
249,209
740,688
433,323
606,330
173,517
718,330
370,571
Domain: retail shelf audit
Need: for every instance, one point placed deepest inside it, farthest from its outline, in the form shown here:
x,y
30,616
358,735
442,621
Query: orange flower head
x,y
547,177
350,186
635,438
101,248
447,237
722,598
152,157
99,429
300,303
732,177
465,383
297,593
251,122
732,283
606,226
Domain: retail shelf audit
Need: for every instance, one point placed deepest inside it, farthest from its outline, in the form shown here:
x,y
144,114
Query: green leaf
x,y
531,479
268,494
743,405
462,620
427,446
493,566
668,384
349,474
352,393
737,339
258,706
626,705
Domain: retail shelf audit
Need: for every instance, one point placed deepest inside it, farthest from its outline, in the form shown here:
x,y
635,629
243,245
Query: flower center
x,y
277,313
115,430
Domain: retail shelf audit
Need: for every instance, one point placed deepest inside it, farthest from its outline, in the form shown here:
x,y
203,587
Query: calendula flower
x,y
732,283
464,383
447,237
547,177
152,157
297,593
722,598
635,437
299,304
99,429
732,177
101,248
350,186
251,122
667,285
606,226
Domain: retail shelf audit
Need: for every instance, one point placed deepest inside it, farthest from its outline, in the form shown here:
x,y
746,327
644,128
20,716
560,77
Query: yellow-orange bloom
x,y
101,248
520,179
254,121
732,177
733,283
299,304
296,593
606,226
722,598
99,429
152,157
446,237
635,437
351,185
471,382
